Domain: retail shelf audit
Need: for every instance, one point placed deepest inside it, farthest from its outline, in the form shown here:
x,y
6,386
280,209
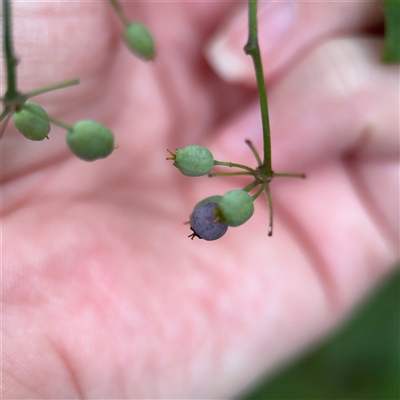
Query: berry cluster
x,y
212,216
88,140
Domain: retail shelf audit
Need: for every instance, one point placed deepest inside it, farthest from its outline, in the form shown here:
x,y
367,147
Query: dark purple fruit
x,y
204,224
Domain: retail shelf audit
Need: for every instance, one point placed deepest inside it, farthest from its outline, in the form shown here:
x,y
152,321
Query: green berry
x,y
193,160
140,41
235,207
32,121
90,140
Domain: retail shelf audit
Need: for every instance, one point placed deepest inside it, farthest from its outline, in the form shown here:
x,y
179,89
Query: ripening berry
x,y
211,199
204,223
140,41
193,160
90,140
235,207
32,121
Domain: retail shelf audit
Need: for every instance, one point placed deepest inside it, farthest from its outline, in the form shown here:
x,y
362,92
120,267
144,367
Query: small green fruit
x,y
32,121
193,160
140,41
235,207
90,140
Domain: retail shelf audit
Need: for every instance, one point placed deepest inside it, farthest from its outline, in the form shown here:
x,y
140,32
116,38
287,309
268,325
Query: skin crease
x,y
103,294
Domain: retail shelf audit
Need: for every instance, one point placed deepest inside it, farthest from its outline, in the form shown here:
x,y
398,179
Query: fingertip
x,y
225,50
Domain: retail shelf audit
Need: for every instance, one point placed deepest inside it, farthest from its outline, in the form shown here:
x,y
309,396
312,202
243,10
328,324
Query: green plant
x,y
236,207
88,140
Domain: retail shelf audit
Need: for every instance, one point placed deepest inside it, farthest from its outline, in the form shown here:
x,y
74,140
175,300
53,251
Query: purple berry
x,y
204,225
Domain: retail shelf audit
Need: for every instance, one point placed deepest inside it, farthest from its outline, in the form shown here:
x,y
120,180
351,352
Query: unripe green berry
x,y
32,121
140,41
90,140
193,160
235,207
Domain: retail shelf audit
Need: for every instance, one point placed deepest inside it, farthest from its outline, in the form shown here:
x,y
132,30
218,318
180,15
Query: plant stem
x,y
57,122
285,175
213,175
259,191
251,186
254,151
11,61
119,12
5,112
271,213
47,89
4,123
229,164
251,48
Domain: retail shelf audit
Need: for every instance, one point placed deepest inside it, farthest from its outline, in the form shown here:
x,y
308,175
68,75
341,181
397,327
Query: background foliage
x,y
362,361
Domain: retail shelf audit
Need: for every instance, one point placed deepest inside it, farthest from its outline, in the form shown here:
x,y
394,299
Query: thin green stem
x,y
47,89
57,122
5,112
229,164
120,13
254,151
288,175
270,208
251,186
260,190
216,174
4,123
11,61
251,48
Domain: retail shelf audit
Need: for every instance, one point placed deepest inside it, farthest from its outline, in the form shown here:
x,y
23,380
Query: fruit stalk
x,y
47,89
251,48
119,12
11,61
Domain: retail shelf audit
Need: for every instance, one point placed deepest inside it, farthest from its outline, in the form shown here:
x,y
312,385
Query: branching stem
x,y
260,190
47,89
251,48
251,186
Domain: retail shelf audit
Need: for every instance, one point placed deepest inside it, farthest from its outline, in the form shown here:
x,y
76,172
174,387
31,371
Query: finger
x,y
339,100
286,29
346,222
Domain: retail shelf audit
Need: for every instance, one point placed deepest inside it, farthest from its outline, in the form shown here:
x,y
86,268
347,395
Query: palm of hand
x,y
104,296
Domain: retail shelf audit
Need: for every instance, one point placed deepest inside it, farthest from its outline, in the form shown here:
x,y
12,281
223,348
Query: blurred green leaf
x,y
361,362
391,50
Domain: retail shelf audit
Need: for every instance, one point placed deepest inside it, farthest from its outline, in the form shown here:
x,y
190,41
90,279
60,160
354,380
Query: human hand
x,y
104,296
